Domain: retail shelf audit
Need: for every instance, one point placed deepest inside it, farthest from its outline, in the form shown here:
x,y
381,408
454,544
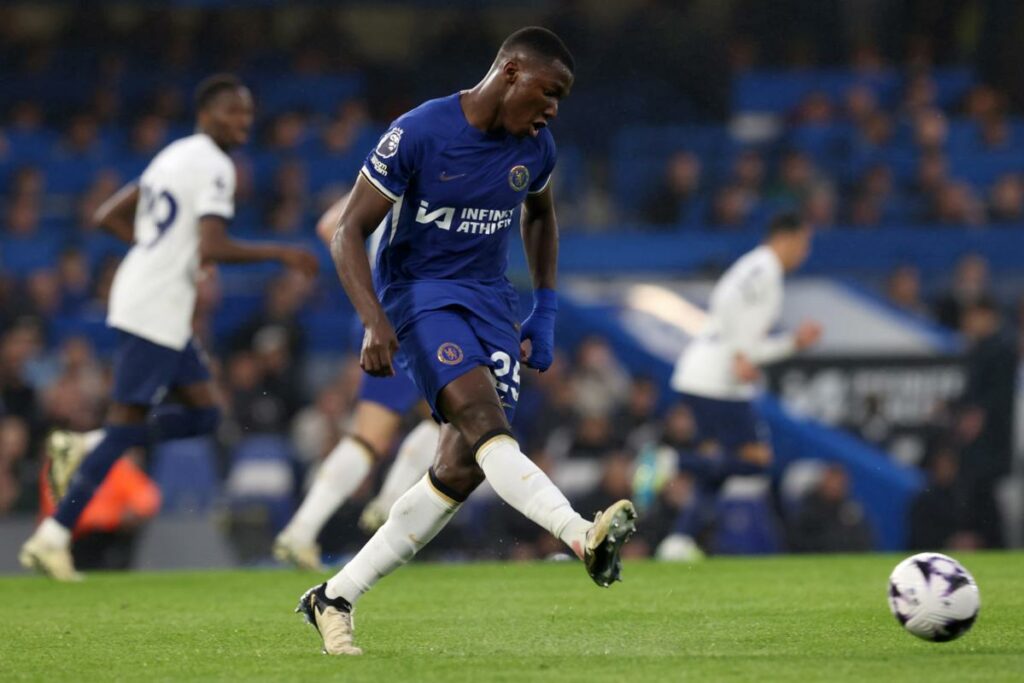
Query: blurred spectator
x,y
286,295
677,192
599,383
970,284
938,514
75,280
732,208
819,206
317,428
903,290
635,423
985,425
748,171
956,204
14,449
592,439
931,130
18,346
1006,200
931,176
828,520
796,177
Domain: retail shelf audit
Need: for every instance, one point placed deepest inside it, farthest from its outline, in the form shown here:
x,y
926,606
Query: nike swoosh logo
x,y
530,474
444,177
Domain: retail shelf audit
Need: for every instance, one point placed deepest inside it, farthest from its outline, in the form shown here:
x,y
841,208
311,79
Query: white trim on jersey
x,y
544,186
396,212
388,194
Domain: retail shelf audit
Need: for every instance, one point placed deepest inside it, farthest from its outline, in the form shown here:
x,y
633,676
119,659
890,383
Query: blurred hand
x,y
302,260
744,370
379,347
807,335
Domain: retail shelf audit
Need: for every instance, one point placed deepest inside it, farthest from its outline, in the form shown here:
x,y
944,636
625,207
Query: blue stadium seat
x,y
186,472
262,474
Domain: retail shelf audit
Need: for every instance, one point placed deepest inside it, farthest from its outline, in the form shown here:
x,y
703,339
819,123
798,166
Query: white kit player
x,y
176,218
717,374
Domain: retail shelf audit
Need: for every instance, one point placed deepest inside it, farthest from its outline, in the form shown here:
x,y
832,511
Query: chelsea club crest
x,y
449,353
519,178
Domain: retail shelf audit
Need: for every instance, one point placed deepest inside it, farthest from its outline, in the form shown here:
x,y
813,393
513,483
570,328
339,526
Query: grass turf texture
x,y
789,618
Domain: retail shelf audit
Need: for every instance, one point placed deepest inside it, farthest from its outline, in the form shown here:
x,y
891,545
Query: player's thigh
x,y
192,384
143,374
442,354
376,425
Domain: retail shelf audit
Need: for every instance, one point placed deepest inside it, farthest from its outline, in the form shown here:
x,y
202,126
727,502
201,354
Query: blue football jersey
x,y
457,193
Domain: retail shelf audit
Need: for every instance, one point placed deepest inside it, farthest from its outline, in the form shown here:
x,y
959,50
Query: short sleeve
x,y
392,163
217,192
550,157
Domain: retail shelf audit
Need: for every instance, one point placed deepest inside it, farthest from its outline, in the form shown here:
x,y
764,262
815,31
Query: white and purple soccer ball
x,y
933,597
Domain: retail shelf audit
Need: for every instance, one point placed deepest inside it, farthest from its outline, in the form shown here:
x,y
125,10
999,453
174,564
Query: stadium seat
x,y
186,472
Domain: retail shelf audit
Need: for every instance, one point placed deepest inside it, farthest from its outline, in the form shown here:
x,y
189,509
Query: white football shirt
x,y
745,306
153,295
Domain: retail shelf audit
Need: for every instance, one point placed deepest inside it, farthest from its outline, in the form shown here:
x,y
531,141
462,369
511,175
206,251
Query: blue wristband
x,y
545,300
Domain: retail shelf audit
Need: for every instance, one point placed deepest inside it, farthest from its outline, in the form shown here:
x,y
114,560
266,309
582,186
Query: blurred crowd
x,y
91,97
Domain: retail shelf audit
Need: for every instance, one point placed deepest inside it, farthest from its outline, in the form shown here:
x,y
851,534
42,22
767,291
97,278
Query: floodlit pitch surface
x,y
791,618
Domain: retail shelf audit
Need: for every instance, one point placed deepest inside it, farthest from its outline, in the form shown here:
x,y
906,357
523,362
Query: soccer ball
x,y
933,597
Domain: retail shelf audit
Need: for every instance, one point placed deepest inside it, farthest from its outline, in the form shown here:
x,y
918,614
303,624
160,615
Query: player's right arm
x,y
328,223
365,209
117,214
216,245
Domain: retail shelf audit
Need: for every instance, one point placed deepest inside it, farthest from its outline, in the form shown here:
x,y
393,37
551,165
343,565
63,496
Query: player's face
x,y
799,247
230,117
535,90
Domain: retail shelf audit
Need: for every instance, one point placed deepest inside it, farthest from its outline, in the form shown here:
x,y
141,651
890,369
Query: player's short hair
x,y
785,223
212,86
540,42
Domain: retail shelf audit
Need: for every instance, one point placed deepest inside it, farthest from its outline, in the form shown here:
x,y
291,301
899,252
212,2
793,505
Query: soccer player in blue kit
x,y
451,176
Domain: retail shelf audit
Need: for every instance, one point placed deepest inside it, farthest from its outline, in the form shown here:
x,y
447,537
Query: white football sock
x,y
54,534
415,455
414,520
341,474
524,486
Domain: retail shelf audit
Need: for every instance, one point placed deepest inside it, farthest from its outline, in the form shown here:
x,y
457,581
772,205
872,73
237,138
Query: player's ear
x,y
510,70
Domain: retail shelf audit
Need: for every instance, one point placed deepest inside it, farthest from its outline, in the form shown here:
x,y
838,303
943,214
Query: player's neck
x,y
207,133
481,105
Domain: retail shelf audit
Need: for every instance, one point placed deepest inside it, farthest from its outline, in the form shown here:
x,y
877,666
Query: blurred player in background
x,y
176,218
452,175
717,373
377,417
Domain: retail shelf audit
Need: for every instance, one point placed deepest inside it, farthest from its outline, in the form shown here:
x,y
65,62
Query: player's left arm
x,y
117,214
540,240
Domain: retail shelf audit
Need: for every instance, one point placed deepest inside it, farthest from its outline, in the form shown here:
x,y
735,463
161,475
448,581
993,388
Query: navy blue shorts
x,y
732,424
144,372
398,394
440,346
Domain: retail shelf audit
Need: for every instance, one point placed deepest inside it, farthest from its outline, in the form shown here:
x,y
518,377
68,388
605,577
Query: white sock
x,y
415,455
414,520
341,474
524,486
54,533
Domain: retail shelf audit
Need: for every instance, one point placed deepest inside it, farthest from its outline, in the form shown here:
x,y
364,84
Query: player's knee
x,y
206,420
477,418
759,454
126,414
456,479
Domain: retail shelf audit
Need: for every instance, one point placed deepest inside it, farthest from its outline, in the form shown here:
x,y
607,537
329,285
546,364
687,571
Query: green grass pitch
x,y
789,618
